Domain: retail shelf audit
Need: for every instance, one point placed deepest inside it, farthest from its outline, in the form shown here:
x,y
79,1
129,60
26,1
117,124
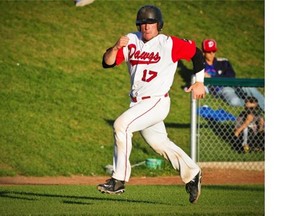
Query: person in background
x,y
81,3
249,128
222,68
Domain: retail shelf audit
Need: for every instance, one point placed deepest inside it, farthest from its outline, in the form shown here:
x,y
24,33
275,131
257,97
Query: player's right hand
x,y
122,42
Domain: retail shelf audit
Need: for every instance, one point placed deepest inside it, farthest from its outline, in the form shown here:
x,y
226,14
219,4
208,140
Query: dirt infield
x,y
209,177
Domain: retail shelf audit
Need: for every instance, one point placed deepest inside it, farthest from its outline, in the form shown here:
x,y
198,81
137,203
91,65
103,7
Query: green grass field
x,y
137,200
57,104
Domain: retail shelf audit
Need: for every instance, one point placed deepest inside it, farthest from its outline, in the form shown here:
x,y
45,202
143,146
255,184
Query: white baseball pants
x,y
147,116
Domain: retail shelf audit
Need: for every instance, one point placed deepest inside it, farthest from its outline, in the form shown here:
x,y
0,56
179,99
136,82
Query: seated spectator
x,y
81,3
249,128
221,68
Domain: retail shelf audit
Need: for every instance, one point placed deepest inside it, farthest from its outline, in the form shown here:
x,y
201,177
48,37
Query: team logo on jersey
x,y
138,57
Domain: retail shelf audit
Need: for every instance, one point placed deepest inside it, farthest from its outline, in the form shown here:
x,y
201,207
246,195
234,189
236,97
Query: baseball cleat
x,y
112,186
194,188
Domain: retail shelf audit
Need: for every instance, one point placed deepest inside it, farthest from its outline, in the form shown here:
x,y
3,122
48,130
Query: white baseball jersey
x,y
152,65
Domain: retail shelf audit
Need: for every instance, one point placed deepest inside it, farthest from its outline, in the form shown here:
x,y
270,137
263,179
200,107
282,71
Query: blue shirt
x,y
210,70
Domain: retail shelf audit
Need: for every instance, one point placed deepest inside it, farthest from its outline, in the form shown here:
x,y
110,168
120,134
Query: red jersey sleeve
x,y
120,56
182,49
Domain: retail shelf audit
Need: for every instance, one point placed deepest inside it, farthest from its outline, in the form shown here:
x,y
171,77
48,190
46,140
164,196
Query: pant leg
x,y
229,95
245,136
141,115
156,137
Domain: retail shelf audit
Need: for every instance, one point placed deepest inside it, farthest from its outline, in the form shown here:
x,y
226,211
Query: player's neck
x,y
146,40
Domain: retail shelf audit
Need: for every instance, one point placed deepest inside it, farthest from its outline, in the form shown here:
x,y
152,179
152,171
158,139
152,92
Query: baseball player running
x,y
152,59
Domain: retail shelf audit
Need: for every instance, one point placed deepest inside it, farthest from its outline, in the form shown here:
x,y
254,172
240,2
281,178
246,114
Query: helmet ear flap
x,y
160,26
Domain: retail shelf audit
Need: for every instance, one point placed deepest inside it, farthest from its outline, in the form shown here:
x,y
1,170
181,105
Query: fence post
x,y
193,126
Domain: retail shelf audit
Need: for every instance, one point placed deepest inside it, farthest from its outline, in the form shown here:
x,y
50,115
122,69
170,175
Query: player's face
x,y
149,31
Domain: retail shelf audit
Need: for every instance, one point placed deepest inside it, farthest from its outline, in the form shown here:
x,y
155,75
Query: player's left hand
x,y
198,89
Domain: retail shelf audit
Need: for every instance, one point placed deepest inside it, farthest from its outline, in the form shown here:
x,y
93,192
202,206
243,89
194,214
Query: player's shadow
x,y
68,199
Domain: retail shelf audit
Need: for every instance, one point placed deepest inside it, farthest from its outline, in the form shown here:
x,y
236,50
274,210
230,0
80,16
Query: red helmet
x,y
149,14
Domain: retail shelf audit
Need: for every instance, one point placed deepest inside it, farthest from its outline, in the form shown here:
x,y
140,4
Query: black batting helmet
x,y
149,14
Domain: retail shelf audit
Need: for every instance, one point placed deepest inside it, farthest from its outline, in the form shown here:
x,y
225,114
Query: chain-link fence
x,y
218,116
